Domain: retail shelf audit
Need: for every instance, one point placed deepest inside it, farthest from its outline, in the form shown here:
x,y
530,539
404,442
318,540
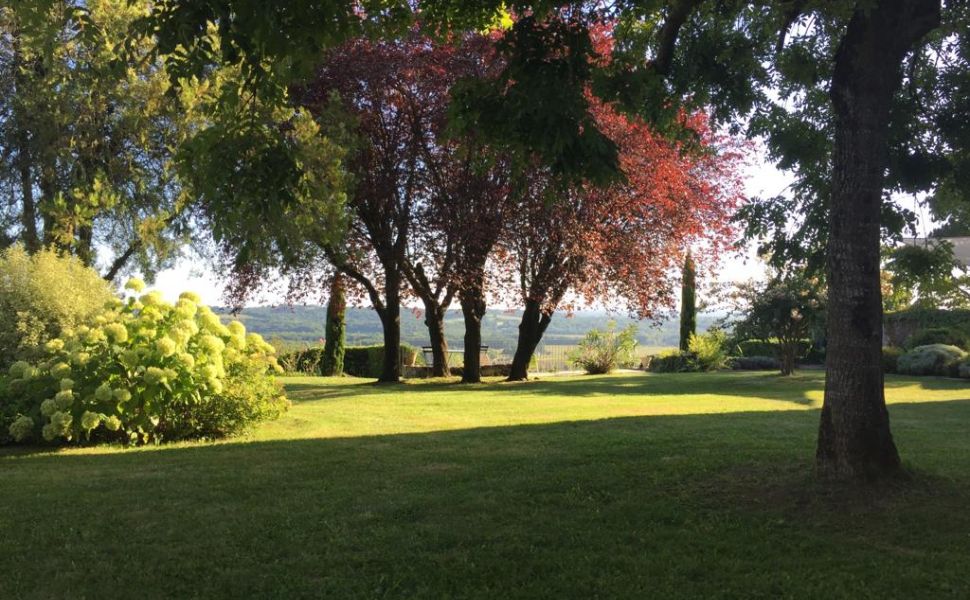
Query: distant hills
x,y
304,325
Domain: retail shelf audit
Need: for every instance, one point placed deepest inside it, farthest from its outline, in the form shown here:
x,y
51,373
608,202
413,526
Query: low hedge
x,y
359,361
674,361
754,363
806,350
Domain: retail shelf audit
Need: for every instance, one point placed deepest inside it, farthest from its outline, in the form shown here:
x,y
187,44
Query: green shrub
x,y
890,359
672,361
144,370
939,335
962,368
754,363
602,351
40,296
708,351
933,359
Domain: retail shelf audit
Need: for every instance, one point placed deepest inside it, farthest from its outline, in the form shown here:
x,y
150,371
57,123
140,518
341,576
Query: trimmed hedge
x,y
901,325
939,335
672,362
359,361
806,350
755,363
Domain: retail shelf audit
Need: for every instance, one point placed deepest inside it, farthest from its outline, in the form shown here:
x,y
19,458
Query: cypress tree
x,y
332,362
688,303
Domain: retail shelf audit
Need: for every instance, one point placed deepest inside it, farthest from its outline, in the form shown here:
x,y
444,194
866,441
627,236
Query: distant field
x,y
625,486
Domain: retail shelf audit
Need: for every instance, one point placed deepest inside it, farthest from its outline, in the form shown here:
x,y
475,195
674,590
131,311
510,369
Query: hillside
x,y
305,325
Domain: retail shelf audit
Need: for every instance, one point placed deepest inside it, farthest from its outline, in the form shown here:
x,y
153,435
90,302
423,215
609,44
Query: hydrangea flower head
x,y
61,370
103,393
134,284
166,346
116,332
18,368
64,399
48,407
90,420
154,375
21,429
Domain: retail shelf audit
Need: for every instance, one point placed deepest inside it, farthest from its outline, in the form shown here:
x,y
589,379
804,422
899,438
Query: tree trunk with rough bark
x,y
391,324
854,440
434,319
531,328
472,309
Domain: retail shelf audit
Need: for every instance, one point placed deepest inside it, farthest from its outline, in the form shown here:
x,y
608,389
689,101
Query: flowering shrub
x,y
145,370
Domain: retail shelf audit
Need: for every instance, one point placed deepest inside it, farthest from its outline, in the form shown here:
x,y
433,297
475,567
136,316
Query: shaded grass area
x,y
625,486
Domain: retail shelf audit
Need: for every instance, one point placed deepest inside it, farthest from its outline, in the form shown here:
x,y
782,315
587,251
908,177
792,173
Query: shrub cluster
x,y
706,352
42,294
602,351
932,359
144,370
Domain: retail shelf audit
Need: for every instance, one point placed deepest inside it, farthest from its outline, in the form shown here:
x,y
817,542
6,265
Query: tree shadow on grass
x,y
616,508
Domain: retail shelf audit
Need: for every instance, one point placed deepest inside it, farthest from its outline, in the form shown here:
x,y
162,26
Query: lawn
x,y
691,485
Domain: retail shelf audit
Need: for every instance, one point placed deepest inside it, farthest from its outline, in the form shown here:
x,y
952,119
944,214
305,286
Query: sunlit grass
x,y
633,485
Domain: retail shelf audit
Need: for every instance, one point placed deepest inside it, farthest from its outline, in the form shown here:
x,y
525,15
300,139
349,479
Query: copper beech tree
x,y
619,244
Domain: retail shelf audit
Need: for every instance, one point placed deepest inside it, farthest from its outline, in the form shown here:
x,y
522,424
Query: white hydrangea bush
x,y
146,370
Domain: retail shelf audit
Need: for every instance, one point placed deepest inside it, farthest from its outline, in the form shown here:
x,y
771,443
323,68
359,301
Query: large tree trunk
x,y
391,323
533,324
434,319
854,439
472,309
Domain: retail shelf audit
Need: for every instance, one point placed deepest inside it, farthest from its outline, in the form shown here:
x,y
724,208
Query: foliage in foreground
x,y
42,294
604,351
143,370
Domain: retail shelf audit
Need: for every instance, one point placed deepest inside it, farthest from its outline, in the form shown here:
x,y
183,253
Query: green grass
x,y
687,485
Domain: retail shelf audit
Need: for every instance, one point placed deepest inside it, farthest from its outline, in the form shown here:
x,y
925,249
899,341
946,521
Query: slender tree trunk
x,y
391,323
332,363
28,213
531,328
434,319
854,439
472,309
688,303
788,352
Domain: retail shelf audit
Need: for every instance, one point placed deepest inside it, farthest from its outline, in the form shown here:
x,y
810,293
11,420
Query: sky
x,y
761,179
